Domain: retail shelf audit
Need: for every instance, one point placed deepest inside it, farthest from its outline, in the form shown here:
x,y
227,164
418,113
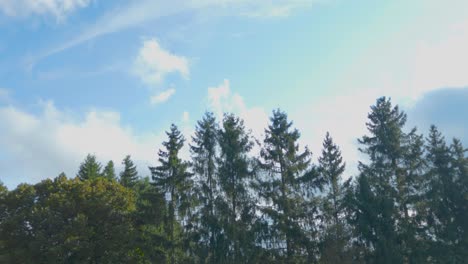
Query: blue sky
x,y
108,77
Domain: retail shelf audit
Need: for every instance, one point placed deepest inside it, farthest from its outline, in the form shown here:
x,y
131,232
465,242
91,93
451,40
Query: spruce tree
x,y
109,171
282,184
204,155
172,178
447,198
393,181
90,168
334,236
129,175
234,174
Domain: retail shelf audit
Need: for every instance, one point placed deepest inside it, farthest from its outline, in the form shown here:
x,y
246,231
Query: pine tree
x,y
204,155
446,197
331,168
89,168
109,171
234,173
129,175
282,186
393,181
172,178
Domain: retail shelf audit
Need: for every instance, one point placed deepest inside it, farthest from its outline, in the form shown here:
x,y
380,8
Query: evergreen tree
x,y
447,199
90,168
204,154
334,236
109,171
282,186
393,183
129,175
237,209
172,178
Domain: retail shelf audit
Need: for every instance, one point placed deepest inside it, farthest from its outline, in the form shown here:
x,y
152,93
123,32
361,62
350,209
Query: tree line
x,y
408,202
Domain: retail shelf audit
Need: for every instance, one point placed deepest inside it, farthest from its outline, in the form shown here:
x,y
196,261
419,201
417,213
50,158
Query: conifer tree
x,y
129,175
234,173
109,171
90,168
393,182
282,185
204,155
334,237
447,198
172,178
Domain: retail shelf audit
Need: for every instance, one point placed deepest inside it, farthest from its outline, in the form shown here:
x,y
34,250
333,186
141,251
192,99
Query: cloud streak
x,y
162,97
57,8
143,11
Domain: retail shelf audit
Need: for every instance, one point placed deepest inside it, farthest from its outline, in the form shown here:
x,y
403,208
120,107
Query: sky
x,y
109,77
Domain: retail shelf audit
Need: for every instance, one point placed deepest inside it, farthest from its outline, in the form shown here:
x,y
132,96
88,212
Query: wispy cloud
x,y
162,97
57,8
153,63
140,12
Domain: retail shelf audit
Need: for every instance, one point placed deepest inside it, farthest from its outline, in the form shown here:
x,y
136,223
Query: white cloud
x,y
153,63
162,97
441,63
57,8
140,12
221,100
38,146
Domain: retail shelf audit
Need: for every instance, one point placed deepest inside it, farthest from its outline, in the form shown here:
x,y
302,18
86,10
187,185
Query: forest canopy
x,y
408,203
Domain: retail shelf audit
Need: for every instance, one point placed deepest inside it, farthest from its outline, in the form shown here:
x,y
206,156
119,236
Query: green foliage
x,y
67,221
204,158
172,178
129,176
109,171
335,234
407,204
90,168
236,207
284,185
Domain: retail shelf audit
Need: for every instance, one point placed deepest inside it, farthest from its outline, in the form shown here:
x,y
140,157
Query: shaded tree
x,y
172,178
129,175
90,168
109,171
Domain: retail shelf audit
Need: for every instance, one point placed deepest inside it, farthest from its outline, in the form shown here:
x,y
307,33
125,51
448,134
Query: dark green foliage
x,y
204,155
109,171
90,168
447,199
391,182
407,204
129,175
283,185
335,234
67,221
236,208
172,178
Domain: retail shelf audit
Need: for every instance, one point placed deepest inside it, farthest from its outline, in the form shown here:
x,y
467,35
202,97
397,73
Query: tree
x,y
335,234
391,174
89,168
204,155
129,175
68,221
237,208
283,185
172,178
446,198
109,171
